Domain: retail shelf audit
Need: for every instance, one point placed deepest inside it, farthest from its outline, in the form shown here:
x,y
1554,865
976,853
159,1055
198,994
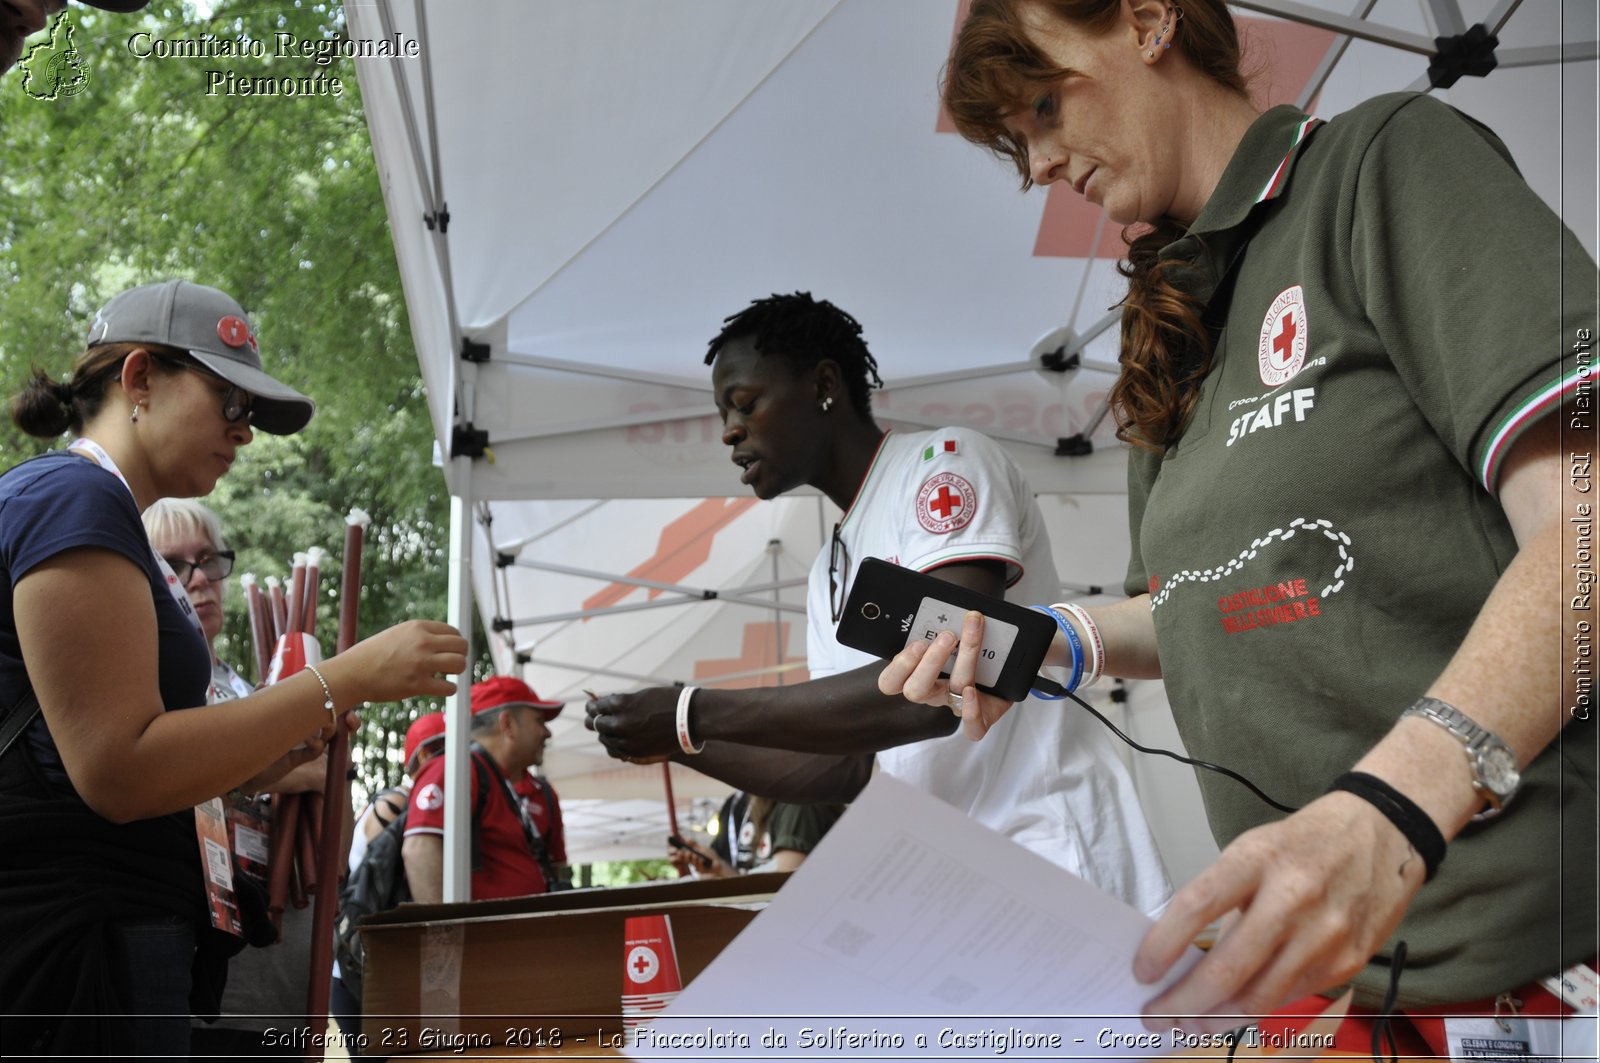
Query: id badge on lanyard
x,y
210,821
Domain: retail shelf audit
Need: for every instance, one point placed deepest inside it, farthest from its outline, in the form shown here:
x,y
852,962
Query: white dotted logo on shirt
x,y
1281,351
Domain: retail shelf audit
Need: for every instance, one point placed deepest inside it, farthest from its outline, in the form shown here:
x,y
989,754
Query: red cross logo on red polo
x,y
946,502
1282,349
430,797
642,964
235,332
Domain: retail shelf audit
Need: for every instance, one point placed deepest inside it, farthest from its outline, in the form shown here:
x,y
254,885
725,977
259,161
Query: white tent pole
x,y
458,732
457,884
655,585
774,551
1501,13
609,673
1577,51
1341,44
602,424
988,430
1444,17
635,607
1312,16
558,365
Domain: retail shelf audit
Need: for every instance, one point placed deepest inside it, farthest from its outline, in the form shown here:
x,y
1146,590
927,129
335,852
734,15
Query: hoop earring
x,y
1169,24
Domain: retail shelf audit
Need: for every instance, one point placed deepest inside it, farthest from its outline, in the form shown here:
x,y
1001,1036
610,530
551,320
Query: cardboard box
x,y
521,972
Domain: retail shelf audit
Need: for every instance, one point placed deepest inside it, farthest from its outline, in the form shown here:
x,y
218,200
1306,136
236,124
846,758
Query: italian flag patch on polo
x,y
946,446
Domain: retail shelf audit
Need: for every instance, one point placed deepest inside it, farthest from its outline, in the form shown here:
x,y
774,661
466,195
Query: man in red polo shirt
x,y
519,836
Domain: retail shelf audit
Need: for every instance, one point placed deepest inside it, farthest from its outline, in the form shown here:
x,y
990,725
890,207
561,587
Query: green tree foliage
x,y
142,175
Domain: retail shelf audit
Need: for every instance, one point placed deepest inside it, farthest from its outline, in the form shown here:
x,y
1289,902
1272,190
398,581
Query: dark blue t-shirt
x,y
60,502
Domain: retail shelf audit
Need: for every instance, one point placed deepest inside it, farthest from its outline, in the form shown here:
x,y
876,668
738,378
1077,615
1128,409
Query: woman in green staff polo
x,y
1343,379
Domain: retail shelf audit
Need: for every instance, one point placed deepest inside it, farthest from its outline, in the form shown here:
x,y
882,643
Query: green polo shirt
x,y
1324,533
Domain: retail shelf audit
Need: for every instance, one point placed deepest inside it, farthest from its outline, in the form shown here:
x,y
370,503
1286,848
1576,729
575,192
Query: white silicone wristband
x,y
1091,631
685,743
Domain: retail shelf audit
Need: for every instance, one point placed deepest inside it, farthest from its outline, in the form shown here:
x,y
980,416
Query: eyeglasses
x,y
837,575
216,566
237,403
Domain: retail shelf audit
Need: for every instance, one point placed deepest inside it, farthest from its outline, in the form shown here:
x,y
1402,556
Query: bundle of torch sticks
x,y
282,621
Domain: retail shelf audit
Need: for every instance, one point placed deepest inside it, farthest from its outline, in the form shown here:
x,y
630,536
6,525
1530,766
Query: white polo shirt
x,y
1046,775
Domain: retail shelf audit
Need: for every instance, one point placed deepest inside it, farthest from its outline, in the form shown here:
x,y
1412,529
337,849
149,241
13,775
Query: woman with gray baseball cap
x,y
114,929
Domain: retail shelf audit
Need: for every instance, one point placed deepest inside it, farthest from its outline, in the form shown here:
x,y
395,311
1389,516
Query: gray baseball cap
x,y
212,327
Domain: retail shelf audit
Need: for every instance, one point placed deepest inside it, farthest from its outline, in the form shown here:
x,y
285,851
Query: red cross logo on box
x,y
1284,336
946,502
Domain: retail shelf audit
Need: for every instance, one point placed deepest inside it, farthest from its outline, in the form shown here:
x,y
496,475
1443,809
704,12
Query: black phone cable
x,y
1050,686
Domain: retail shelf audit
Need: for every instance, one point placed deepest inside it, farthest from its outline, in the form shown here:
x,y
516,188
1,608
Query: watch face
x,y
1500,771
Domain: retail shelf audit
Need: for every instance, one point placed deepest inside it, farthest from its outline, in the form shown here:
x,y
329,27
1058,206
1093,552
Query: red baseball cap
x,y
503,690
422,730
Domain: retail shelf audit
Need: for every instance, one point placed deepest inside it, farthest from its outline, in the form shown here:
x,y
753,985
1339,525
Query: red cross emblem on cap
x,y
235,332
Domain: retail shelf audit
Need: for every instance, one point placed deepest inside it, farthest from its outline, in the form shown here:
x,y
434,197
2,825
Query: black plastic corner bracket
x,y
1077,446
474,352
1058,361
524,658
440,221
500,623
503,559
1466,53
468,442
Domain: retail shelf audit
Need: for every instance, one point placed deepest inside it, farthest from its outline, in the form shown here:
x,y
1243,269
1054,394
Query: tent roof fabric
x,y
618,175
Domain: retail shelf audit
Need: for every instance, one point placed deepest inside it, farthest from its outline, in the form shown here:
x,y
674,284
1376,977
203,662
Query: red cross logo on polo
x,y
235,332
1282,349
946,502
430,797
643,964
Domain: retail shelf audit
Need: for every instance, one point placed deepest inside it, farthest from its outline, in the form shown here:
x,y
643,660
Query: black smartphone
x,y
695,853
890,607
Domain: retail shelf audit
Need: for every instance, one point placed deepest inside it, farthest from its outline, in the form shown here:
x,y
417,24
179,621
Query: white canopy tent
x,y
580,191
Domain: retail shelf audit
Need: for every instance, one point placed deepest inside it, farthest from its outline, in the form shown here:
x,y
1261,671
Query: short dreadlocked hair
x,y
806,331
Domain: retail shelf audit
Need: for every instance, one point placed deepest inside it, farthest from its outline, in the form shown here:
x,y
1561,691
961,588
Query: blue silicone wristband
x,y
1077,652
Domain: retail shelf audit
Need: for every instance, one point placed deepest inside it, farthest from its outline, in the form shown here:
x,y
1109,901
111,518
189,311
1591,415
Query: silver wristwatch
x,y
1493,764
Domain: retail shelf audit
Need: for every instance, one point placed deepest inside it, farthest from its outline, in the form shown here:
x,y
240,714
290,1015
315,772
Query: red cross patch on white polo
x,y
1284,334
946,502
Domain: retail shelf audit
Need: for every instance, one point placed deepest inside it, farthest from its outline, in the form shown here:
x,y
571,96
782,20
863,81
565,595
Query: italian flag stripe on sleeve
x,y
1529,410
944,446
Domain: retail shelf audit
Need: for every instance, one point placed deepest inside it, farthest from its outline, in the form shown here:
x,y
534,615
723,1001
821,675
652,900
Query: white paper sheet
x,y
914,932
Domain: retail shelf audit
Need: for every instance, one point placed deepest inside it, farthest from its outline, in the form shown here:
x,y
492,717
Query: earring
x,y
827,404
135,418
1173,16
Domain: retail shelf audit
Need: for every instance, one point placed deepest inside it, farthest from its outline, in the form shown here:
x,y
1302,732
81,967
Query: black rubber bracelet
x,y
1397,808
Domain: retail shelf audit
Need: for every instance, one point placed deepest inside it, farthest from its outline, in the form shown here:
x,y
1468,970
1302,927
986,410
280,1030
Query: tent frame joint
x,y
1075,446
1059,361
1472,52
468,441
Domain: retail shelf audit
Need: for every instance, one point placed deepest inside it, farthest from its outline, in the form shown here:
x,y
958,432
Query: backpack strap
x,y
483,758
381,802
530,832
16,719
